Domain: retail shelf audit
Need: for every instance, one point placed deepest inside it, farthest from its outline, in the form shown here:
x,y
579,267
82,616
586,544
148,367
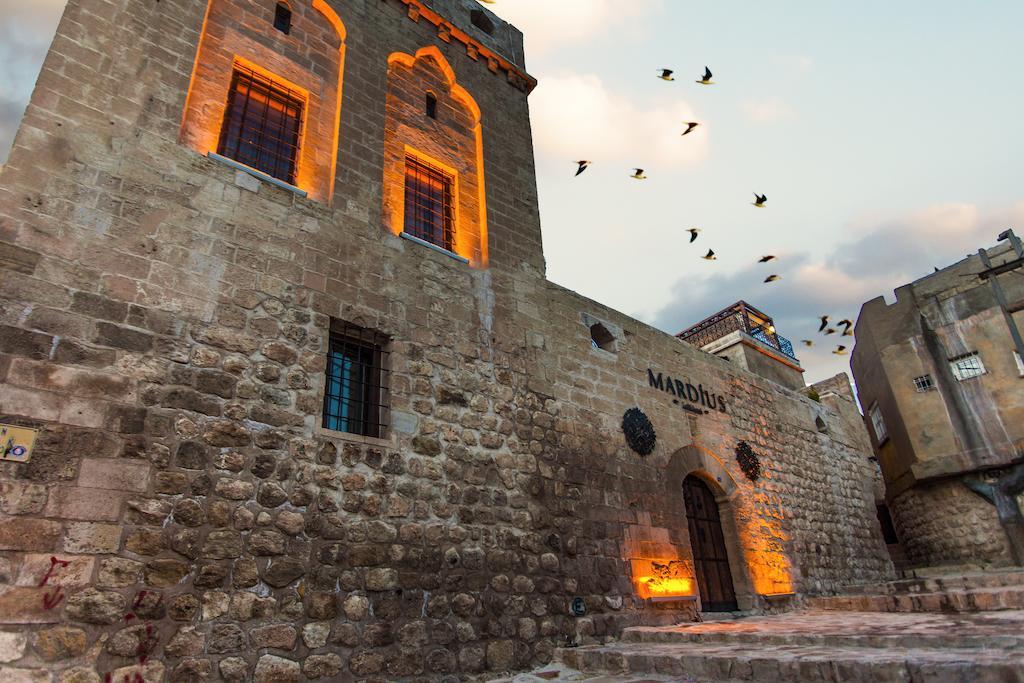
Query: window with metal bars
x,y
356,398
924,383
262,124
967,366
429,203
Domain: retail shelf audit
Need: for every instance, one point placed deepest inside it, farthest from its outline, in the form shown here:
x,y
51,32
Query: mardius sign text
x,y
694,399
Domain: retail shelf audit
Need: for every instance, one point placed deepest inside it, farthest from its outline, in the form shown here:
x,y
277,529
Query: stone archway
x,y
693,461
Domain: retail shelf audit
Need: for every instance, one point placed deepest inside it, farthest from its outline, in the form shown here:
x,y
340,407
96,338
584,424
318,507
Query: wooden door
x,y
710,559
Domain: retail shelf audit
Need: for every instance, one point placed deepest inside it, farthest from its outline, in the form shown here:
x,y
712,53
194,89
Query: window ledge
x,y
259,175
431,245
356,438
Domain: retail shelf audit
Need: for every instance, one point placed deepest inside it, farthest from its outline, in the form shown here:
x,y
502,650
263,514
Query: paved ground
x,y
808,646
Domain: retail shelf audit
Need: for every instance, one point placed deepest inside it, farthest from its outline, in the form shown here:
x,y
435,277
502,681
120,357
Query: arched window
x,y
283,18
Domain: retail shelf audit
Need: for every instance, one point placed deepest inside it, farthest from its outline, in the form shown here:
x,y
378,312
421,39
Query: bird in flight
x,y
824,323
841,351
830,331
690,125
772,278
710,256
694,232
639,175
759,200
766,259
666,75
583,166
706,80
808,343
848,324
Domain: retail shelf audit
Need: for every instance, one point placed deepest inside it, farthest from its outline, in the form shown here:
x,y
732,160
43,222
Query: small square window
x,y
924,383
356,397
283,18
967,366
878,423
429,203
261,125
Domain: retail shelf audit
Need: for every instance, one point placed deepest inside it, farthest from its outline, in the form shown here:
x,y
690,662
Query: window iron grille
x,y
262,123
923,384
356,398
429,203
967,366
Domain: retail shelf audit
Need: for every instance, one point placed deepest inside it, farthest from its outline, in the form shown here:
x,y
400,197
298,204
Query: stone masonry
x,y
164,322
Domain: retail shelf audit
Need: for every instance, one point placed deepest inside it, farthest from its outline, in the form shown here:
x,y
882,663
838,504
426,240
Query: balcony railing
x,y
735,319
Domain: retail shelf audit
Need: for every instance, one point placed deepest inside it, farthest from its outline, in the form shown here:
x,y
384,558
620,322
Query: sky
x,y
886,135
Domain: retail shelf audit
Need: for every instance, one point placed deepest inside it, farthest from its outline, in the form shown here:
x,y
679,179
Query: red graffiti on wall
x,y
147,643
53,598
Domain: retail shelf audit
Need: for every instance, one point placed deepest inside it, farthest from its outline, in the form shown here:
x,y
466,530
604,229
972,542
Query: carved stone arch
x,y
309,61
453,142
705,464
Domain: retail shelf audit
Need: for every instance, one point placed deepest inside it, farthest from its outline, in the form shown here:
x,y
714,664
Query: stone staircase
x,y
927,626
813,646
924,591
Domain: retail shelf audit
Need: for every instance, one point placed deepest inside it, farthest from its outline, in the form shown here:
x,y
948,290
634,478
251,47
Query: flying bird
x,y
759,200
710,256
772,278
808,343
766,259
666,75
848,324
830,331
706,80
583,166
824,323
693,234
841,351
639,175
690,125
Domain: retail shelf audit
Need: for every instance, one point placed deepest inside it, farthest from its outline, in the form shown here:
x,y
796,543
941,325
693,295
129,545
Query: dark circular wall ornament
x,y
639,431
748,460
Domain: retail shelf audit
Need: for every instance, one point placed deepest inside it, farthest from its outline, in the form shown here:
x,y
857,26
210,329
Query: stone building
x,y
273,308
941,383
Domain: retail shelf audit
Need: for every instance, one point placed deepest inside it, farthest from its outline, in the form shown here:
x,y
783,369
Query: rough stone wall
x,y
944,523
163,323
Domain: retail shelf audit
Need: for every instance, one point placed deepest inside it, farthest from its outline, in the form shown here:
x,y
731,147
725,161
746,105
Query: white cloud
x,y
549,23
577,117
767,109
885,252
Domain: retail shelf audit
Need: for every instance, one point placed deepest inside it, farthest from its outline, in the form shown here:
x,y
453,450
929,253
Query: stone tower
x,y
272,301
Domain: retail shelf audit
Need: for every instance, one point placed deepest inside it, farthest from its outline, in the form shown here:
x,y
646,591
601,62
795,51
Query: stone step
x,y
992,630
939,583
952,600
738,662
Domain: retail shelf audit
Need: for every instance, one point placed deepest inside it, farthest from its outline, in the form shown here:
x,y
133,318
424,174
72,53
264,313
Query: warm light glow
x,y
663,578
470,236
661,588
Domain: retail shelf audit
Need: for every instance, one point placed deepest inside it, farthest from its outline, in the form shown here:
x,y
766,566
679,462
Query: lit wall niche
x,y
451,140
309,59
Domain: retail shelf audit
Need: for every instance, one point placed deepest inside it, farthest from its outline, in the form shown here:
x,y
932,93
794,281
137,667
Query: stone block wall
x,y
945,523
164,323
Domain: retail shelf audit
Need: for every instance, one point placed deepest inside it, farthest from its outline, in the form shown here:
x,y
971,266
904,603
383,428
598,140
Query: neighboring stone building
x,y
943,389
327,418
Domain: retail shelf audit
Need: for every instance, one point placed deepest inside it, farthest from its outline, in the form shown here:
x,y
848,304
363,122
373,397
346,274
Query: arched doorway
x,y
710,558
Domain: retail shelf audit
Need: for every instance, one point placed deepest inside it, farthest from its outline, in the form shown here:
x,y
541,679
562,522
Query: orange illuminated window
x,y
262,124
429,203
